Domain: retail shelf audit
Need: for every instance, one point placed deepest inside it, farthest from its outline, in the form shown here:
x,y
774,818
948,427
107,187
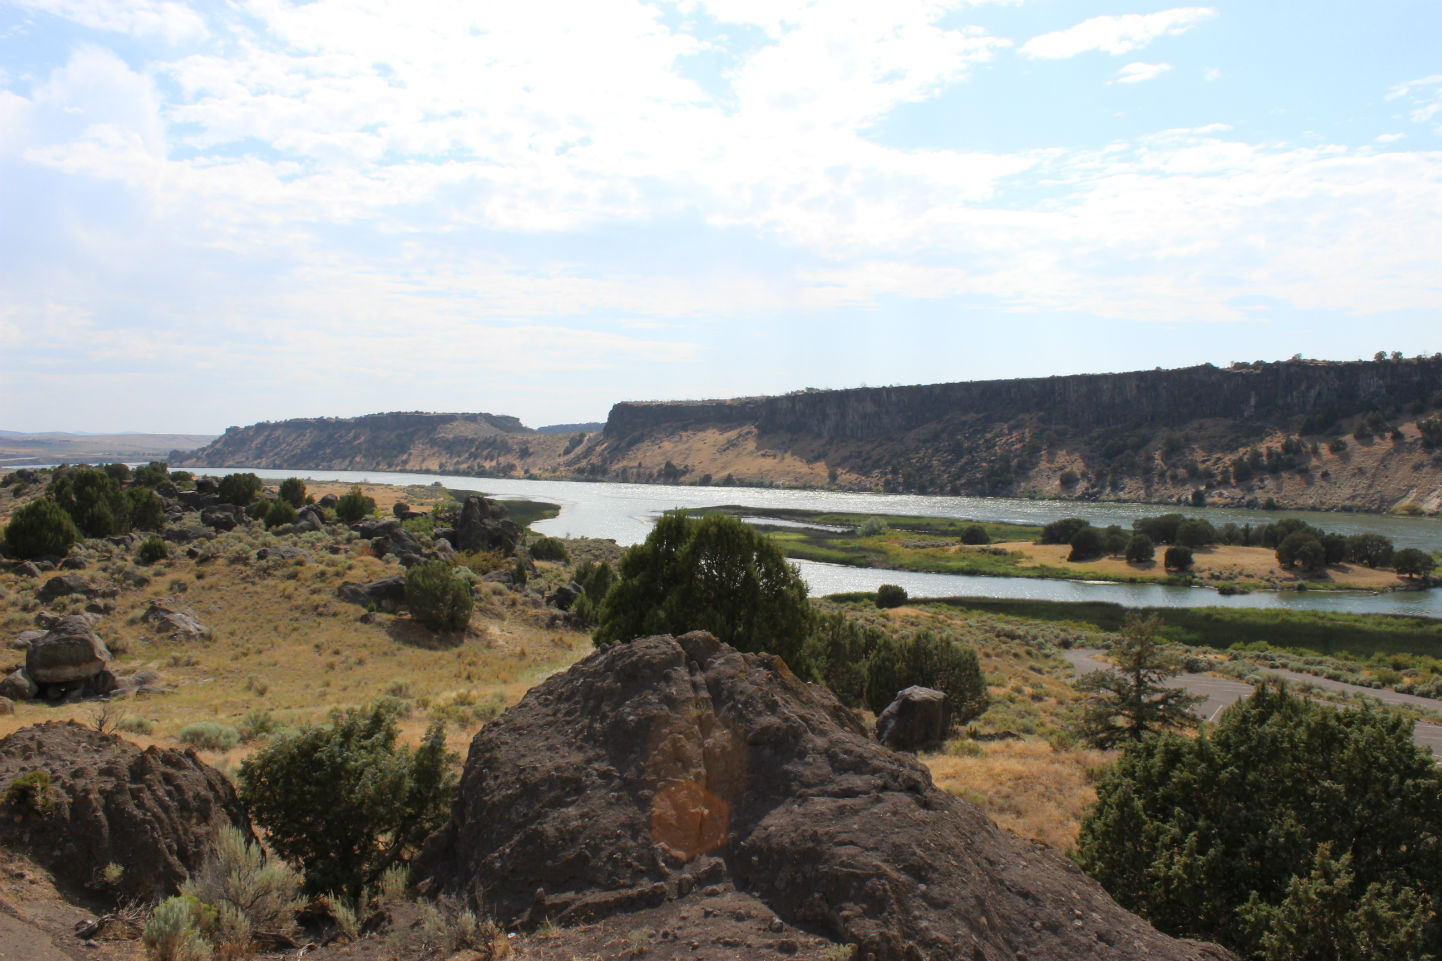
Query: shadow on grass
x,y
411,633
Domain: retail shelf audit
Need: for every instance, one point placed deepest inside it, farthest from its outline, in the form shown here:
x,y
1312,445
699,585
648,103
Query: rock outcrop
x,y
917,718
656,768
152,811
484,526
70,655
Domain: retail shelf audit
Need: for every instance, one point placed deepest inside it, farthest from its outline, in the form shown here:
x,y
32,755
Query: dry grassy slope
x,y
283,641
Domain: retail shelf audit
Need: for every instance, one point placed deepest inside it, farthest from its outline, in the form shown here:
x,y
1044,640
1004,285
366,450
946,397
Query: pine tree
x,y
1130,701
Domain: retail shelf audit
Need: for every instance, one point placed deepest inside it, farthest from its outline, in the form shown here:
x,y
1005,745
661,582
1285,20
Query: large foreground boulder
x,y
152,812
670,765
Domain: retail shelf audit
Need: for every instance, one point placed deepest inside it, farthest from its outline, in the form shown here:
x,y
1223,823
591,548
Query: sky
x,y
218,213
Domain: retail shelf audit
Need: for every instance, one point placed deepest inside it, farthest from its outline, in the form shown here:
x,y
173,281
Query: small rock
x,y
179,623
7,706
787,946
17,686
27,569
24,639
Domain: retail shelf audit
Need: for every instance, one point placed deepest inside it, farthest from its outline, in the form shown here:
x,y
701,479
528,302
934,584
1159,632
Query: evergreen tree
x,y
1130,702
717,574
1289,830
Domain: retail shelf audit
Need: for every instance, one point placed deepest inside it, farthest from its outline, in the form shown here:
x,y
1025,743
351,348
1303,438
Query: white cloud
x,y
1425,97
332,180
1212,75
1390,137
1137,72
171,21
1115,34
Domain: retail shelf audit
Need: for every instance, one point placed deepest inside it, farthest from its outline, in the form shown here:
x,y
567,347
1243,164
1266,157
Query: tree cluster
x,y
1288,831
721,575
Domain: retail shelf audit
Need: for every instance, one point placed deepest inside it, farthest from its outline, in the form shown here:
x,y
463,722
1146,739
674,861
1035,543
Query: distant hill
x,y
411,441
57,447
570,428
1359,435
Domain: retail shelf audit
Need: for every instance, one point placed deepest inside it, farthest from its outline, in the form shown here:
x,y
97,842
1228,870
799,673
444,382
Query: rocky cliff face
x,y
1275,395
1309,434
1306,434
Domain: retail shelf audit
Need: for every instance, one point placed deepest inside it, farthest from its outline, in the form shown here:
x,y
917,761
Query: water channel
x,y
625,513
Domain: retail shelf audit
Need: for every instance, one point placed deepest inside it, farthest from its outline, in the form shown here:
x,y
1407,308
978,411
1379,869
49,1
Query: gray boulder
x,y
919,717
17,686
26,569
196,500
564,596
309,519
178,624
25,639
483,526
70,653
388,590
222,518
7,706
73,564
328,500
62,585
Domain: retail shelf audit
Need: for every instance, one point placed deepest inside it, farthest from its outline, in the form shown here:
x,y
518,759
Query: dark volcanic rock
x,y
18,687
222,517
69,653
392,589
918,718
62,585
483,526
152,812
658,767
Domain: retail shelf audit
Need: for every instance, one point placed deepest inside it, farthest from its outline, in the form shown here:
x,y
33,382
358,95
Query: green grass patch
x,y
1328,633
924,544
525,513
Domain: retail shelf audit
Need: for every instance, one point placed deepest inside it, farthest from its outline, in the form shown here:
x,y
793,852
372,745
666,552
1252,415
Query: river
x,y
625,513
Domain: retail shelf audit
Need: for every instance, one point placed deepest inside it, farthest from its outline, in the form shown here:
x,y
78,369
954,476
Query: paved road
x,y
1220,692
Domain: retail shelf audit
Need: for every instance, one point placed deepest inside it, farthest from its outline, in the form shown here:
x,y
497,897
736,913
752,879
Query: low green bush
x,y
353,505
173,931
549,549
41,528
151,549
239,489
292,491
30,793
209,736
437,597
890,595
280,512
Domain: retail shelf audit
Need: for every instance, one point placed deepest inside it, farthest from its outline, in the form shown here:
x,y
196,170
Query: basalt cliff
x,y
1363,435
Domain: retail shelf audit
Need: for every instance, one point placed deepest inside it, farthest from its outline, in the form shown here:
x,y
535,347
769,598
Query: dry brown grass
x,y
1025,786
283,641
1253,565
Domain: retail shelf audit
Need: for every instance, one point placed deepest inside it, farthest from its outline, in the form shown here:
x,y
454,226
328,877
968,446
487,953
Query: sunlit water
x,y
625,513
